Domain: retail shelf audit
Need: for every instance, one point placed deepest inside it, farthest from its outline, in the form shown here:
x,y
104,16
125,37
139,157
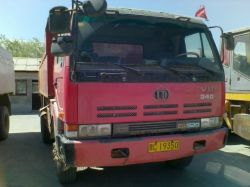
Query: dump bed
x,y
46,67
7,75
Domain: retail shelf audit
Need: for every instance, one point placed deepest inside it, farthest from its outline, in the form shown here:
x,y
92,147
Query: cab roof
x,y
147,13
240,30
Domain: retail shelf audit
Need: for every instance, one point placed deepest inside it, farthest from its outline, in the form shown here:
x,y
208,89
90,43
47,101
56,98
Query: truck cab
x,y
125,86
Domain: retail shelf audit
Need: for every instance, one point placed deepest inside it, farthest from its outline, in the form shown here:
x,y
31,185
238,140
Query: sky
x,y
26,19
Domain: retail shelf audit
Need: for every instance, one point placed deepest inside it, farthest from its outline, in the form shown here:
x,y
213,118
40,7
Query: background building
x,y
26,98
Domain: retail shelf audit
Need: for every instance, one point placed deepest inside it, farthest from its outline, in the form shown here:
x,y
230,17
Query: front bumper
x,y
91,153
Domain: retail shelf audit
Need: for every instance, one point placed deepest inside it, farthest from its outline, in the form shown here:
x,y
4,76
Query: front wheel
x,y
46,135
4,122
66,174
180,163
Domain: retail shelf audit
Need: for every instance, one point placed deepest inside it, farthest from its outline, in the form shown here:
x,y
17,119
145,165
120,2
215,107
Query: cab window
x,y
241,54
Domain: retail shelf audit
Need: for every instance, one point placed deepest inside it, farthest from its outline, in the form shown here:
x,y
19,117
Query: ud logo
x,y
161,95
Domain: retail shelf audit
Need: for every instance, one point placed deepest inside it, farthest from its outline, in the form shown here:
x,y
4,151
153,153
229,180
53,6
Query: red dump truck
x,y
123,86
7,86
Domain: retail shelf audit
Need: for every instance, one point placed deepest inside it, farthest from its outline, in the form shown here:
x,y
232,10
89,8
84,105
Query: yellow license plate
x,y
172,145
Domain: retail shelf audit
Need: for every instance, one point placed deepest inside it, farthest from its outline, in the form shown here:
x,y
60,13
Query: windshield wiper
x,y
106,74
128,68
206,68
174,71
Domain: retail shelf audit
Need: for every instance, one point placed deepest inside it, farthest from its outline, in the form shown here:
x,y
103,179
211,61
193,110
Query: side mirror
x,y
62,46
59,20
94,8
229,41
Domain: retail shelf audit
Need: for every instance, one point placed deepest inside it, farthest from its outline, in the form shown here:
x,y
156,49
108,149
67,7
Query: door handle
x,y
55,82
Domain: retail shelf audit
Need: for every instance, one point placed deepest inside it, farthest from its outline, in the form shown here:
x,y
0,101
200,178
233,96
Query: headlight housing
x,y
210,123
94,130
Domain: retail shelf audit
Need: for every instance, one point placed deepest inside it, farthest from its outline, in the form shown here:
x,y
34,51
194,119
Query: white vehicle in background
x,y
7,87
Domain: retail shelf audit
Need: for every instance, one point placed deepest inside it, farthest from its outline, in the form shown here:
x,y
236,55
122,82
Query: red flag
x,y
201,13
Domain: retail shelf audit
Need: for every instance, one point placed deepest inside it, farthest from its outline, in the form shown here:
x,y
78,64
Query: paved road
x,y
26,162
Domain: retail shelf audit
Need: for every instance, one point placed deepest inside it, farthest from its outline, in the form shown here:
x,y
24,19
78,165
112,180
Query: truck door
x,y
240,71
58,81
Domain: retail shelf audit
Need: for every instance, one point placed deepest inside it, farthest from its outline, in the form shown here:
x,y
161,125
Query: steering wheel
x,y
188,53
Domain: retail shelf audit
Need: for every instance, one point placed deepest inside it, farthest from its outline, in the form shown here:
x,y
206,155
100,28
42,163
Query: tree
x,y
20,48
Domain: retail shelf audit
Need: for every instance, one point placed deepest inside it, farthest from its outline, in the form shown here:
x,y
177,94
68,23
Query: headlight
x,y
95,130
208,123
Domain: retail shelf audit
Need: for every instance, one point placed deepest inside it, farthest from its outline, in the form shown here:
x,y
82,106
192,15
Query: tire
x,y
66,175
180,163
46,136
4,122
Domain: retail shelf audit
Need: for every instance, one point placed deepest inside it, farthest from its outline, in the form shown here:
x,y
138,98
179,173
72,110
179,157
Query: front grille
x,y
196,105
115,115
116,111
143,128
196,108
152,110
160,106
160,110
160,113
195,111
103,108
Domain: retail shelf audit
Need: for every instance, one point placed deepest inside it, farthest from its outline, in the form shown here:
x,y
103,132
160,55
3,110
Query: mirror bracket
x,y
62,46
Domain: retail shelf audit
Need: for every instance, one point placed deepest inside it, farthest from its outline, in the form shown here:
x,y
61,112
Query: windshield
x,y
157,52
